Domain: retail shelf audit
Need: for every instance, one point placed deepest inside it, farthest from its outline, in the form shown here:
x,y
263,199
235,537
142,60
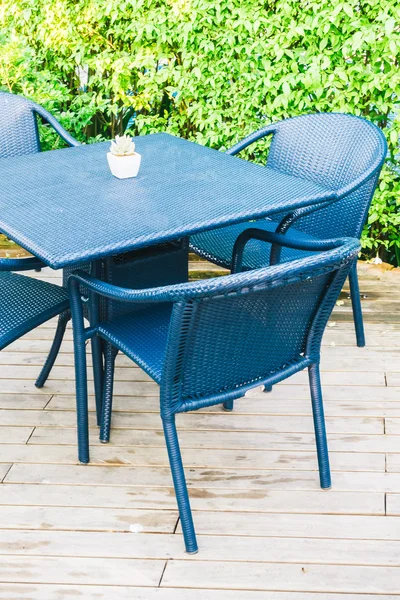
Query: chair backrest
x,y
253,324
18,126
332,149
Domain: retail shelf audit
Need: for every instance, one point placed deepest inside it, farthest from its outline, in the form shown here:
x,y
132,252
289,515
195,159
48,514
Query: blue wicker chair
x,y
26,302
207,342
341,152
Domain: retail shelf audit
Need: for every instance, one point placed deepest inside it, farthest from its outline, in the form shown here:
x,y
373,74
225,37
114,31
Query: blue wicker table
x,y
66,208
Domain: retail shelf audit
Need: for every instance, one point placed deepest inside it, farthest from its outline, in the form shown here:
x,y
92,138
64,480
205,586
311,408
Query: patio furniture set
x,y
288,232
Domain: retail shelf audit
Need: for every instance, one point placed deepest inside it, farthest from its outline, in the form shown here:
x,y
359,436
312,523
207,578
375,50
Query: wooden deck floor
x,y
266,531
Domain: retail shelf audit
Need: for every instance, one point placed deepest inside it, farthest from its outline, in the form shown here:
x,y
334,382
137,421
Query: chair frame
x,y
337,260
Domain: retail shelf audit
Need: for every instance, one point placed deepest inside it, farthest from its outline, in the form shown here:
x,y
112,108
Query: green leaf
x,y
286,88
389,26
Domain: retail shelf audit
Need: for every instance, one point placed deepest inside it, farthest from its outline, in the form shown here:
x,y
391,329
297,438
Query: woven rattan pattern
x,y
272,327
18,128
26,303
132,332
82,212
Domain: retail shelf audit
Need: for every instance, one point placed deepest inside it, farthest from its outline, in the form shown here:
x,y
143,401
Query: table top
x,y
66,207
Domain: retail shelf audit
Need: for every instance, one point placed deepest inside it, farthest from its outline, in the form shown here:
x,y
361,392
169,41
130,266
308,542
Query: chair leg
x,y
82,401
97,362
80,372
110,354
356,304
267,389
178,477
319,426
228,405
55,347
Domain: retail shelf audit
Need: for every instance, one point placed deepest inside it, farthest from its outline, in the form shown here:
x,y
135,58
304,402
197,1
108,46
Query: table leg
x,y
96,343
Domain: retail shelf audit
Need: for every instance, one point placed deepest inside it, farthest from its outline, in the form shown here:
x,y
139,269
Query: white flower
x,y
376,260
123,146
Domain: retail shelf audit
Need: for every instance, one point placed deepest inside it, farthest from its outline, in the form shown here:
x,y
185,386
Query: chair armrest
x,y
278,239
354,185
20,264
48,117
337,250
250,139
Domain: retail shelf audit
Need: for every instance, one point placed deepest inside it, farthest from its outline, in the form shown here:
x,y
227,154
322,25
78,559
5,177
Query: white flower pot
x,y
124,166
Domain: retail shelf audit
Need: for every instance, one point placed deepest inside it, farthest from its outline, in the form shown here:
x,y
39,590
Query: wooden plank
x,y
26,401
15,435
122,387
297,407
390,315
66,518
212,548
331,377
202,477
46,333
381,355
363,363
243,440
334,358
29,346
37,359
259,403
281,400
201,421
34,569
144,396
235,459
393,379
272,577
298,525
393,504
372,328
28,372
88,592
163,498
4,468
392,426
343,378
372,307
374,340
393,462
338,393
21,386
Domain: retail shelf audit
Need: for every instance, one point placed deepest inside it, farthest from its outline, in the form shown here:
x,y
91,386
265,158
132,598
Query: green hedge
x,y
211,71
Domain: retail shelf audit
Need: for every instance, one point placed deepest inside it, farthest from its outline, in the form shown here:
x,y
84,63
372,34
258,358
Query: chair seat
x,y
217,245
26,303
141,335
